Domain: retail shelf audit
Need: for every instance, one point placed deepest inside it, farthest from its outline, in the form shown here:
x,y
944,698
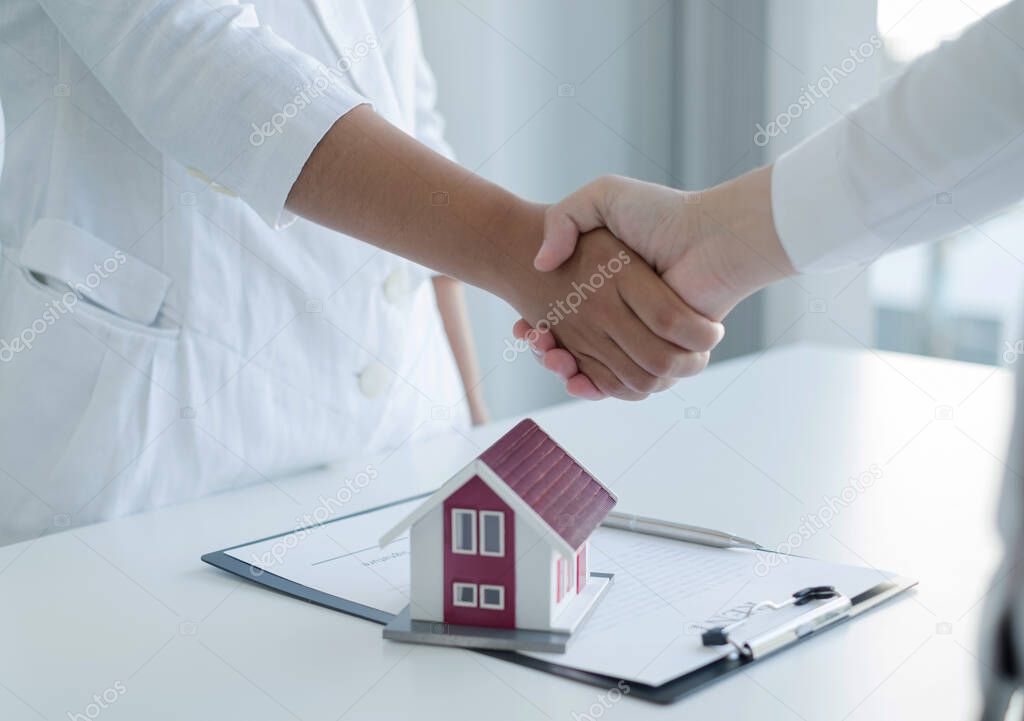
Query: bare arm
x,y
451,302
370,180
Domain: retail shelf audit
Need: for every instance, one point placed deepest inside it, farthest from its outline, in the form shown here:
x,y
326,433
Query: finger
x,y
667,315
520,329
582,387
628,358
539,341
642,360
580,212
605,379
660,359
561,363
560,236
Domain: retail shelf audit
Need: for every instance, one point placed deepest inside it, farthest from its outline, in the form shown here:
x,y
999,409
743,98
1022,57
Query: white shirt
x,y
214,340
941,148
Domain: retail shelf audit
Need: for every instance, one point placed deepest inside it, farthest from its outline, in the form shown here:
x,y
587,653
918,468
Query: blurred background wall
x,y
542,96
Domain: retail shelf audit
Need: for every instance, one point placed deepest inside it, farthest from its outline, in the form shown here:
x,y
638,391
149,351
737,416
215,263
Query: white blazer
x,y
940,149
167,329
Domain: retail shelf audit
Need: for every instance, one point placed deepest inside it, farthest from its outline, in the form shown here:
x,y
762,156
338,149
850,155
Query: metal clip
x,y
837,607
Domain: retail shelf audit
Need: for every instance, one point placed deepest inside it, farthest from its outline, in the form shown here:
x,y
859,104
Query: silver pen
x,y
677,531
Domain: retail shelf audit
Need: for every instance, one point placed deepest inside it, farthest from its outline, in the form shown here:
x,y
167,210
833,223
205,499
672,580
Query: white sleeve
x,y
940,149
429,121
208,86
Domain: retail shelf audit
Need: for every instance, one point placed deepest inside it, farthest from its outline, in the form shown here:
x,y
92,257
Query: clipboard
x,y
672,690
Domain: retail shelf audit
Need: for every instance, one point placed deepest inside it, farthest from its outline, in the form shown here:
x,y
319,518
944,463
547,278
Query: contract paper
x,y
647,627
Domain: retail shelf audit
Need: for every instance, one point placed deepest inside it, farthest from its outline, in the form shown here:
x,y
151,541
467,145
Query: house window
x,y
463,531
492,597
464,594
581,569
492,533
563,571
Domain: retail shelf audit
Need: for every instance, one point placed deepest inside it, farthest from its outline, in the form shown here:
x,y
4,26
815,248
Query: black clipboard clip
x,y
832,608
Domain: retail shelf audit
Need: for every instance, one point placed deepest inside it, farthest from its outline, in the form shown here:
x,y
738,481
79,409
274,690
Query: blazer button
x,y
374,379
396,286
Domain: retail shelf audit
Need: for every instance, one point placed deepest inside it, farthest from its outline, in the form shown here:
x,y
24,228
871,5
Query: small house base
x,y
404,628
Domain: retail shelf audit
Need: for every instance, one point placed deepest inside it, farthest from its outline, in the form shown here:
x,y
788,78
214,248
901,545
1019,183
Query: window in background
x,y
961,297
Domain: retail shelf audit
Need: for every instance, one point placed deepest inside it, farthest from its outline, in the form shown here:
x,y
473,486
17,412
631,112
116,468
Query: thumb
x,y
565,221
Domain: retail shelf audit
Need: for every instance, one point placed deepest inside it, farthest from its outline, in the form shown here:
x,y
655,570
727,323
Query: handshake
x,y
646,275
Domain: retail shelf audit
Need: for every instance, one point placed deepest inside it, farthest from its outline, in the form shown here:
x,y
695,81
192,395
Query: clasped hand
x,y
710,249
614,319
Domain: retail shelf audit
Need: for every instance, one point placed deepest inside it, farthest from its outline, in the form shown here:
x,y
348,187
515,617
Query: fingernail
x,y
538,260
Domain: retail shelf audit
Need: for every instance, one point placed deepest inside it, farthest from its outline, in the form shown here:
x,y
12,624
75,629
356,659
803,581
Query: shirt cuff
x,y
281,144
816,216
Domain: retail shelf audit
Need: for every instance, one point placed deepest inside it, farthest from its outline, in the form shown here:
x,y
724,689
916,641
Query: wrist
x,y
512,244
736,221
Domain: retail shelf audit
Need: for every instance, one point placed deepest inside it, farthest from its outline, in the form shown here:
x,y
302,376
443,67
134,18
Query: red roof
x,y
552,482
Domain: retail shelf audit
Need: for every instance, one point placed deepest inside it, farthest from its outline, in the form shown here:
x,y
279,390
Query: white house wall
x,y
427,565
533,578
556,607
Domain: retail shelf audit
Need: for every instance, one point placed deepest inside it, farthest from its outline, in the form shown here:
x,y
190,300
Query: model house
x,y
504,543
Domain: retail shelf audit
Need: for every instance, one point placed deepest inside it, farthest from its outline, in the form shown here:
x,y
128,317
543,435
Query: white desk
x,y
129,602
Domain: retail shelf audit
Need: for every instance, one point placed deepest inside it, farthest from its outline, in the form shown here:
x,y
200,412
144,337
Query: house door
x,y
479,558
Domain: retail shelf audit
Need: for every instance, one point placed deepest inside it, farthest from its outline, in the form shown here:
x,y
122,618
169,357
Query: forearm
x,y
370,180
451,303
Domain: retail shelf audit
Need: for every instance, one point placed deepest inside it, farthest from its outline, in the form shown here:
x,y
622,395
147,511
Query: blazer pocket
x,y
66,258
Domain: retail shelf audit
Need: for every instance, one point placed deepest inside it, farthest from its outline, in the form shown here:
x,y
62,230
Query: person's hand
x,y
714,248
615,319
